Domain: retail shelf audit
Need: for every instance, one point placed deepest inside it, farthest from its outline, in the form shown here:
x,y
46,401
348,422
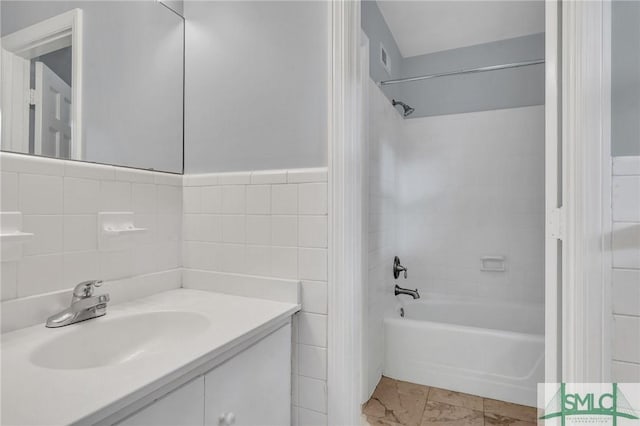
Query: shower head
x,y
407,110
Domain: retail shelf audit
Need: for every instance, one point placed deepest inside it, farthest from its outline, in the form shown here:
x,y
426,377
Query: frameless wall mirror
x,y
96,81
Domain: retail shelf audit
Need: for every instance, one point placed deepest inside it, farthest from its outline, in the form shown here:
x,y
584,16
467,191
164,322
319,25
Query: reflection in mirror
x,y
97,81
39,98
50,110
176,5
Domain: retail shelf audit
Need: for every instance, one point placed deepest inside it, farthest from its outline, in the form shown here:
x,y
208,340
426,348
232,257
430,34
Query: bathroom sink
x,y
109,341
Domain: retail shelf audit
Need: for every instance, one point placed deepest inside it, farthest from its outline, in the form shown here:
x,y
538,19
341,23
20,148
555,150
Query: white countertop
x,y
35,395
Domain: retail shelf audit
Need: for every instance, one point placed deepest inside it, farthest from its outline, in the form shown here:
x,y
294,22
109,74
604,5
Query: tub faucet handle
x,y
397,268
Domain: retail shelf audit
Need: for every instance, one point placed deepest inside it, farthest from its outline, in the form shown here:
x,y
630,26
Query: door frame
x,y
586,187
553,192
38,39
346,187
578,158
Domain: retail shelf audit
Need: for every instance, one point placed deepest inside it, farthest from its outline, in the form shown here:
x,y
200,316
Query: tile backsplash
x,y
263,226
60,201
258,232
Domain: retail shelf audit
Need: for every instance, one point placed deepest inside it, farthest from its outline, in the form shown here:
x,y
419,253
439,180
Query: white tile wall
x,y
271,225
9,189
385,134
626,269
265,225
310,418
60,201
472,185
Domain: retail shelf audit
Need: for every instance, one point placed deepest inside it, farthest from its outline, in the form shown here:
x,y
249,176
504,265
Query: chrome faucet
x,y
412,293
84,305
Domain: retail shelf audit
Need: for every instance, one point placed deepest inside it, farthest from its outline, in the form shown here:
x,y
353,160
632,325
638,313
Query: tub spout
x,y
412,293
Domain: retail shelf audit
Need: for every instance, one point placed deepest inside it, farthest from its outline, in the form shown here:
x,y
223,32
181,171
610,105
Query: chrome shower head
x,y
407,110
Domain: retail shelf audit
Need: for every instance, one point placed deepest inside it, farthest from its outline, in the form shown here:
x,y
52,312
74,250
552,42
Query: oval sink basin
x,y
108,341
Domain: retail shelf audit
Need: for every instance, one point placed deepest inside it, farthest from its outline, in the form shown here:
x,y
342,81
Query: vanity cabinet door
x,y
254,387
183,406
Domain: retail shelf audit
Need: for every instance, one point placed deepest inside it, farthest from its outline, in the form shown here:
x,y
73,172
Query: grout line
x,y
625,362
310,409
626,315
310,377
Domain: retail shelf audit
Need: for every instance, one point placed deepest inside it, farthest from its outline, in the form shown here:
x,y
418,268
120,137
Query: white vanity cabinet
x,y
190,358
254,387
183,406
251,388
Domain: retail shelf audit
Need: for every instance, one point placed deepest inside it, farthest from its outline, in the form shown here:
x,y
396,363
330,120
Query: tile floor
x,y
395,403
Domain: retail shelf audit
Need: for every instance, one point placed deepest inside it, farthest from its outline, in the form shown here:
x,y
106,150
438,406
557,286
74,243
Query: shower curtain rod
x,y
464,71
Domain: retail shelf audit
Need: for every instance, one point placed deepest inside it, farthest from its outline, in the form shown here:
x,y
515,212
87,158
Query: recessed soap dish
x,y
492,264
114,227
11,236
129,230
15,237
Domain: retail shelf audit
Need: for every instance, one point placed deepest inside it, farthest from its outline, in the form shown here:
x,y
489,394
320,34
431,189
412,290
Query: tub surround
x,y
92,395
626,269
384,137
445,192
472,186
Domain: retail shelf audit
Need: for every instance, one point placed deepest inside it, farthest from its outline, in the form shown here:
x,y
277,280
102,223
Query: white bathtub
x,y
477,347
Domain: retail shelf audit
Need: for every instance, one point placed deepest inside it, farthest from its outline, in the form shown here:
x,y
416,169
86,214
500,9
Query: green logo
x,y
612,404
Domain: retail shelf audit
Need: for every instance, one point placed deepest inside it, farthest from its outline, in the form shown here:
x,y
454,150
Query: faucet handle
x,y
85,288
397,268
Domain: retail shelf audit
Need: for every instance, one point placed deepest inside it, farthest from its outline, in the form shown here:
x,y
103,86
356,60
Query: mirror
x,y
95,81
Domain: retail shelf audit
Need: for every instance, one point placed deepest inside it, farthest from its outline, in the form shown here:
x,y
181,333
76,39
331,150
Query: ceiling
x,y
421,27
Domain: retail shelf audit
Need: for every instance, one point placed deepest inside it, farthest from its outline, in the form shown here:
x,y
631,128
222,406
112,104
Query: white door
x,y
15,102
52,114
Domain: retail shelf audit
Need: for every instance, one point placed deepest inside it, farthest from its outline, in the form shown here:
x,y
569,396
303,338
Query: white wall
x,y
385,134
256,85
132,72
60,200
625,78
485,91
626,269
264,227
472,185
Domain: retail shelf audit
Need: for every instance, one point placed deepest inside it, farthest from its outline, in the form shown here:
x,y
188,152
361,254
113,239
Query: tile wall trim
x,y
29,164
276,289
308,175
626,166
